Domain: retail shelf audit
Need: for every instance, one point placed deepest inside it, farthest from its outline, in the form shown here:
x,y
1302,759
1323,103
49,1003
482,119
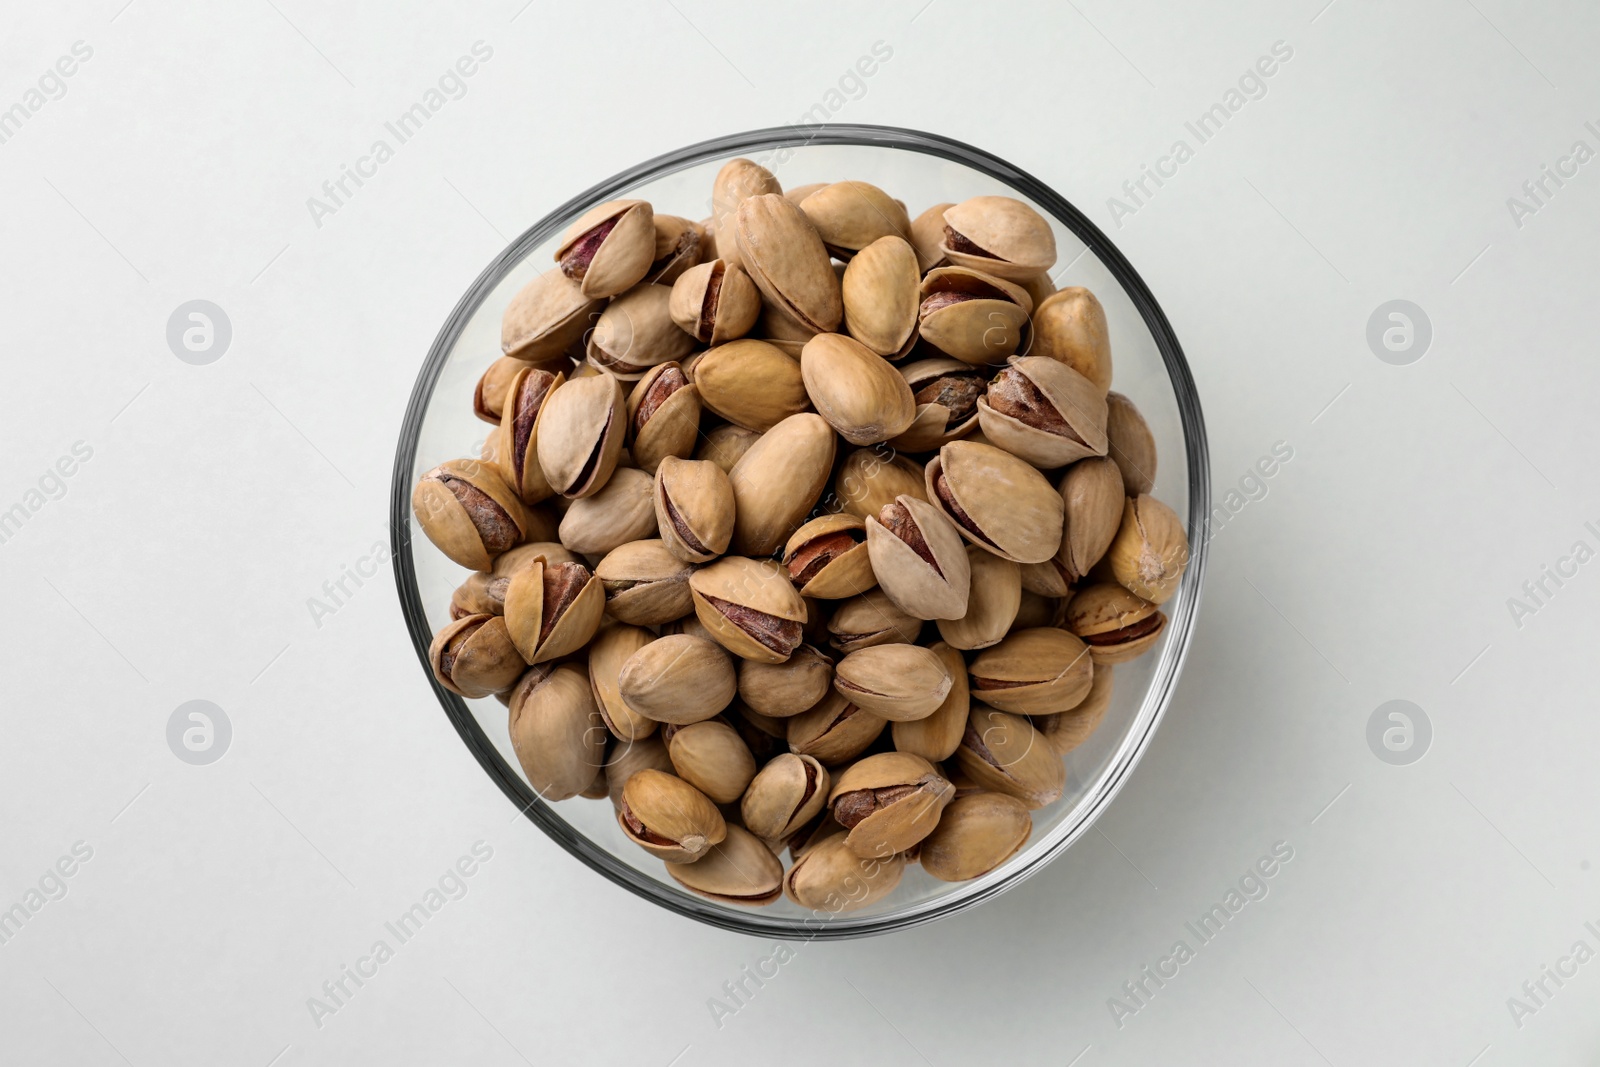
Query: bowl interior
x,y
920,170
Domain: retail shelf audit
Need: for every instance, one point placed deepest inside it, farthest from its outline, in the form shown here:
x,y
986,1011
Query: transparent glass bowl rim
x,y
1180,623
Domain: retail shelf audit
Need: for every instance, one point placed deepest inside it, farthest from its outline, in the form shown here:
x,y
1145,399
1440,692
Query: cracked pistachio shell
x,y
517,456
711,757
1069,729
678,679
946,393
996,500
636,332
740,869
993,604
726,445
857,391
583,425
829,877
663,416
851,215
783,690
1003,753
693,502
610,247
1131,444
784,255
668,817
927,237
620,512
630,757
972,316
482,593
553,609
608,651
827,558
1092,499
937,736
546,317
835,731
556,730
776,482
1116,625
645,584
871,619
489,395
679,245
1070,327
919,559
899,682
888,802
870,478
469,512
976,834
474,657
881,295
1039,671
1045,412
751,383
1150,551
1000,235
749,607
785,795
738,180
715,302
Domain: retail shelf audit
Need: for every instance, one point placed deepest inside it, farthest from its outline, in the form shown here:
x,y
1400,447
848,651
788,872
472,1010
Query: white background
x,y
219,498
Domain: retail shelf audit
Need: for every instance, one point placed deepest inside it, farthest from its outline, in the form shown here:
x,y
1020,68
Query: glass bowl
x,y
921,169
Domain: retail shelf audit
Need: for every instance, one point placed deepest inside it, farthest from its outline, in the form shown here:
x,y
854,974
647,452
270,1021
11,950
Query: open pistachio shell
x,y
870,619
871,478
976,834
517,457
927,237
1070,327
546,317
946,393
1045,412
888,802
583,425
785,256
610,247
836,731
751,383
827,558
785,795
899,682
881,296
489,395
1003,753
645,584
1116,625
620,512
552,609
715,302
474,657
972,316
608,651
693,507
857,391
829,878
556,730
668,817
678,679
469,512
937,736
996,500
750,607
679,246
919,559
1039,671
663,416
738,870
1000,235
776,482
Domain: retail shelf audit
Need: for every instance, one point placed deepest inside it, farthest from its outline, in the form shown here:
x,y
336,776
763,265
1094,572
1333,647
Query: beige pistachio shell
x,y
556,730
851,215
1008,506
1116,625
516,456
946,393
715,302
1131,444
474,657
620,512
1045,412
678,679
553,609
608,651
546,317
679,245
780,329
783,690
829,878
1039,671
836,731
888,802
786,258
1003,753
583,425
628,758
927,237
827,557
937,736
489,395
799,193
1040,287
880,291
1069,729
785,795
750,608
663,416
645,584
971,316
976,834
751,384
993,604
1036,610
1150,551
482,593
738,180
740,870
868,620
776,482
919,559
693,508
1092,501
668,817
636,332
1070,327
870,478
1000,235
899,682
857,391
1048,579
727,444
711,757
610,248
468,511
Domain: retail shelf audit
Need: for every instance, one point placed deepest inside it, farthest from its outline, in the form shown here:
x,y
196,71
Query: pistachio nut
x,y
645,584
898,682
516,455
1115,624
1049,579
1003,753
827,558
629,757
785,256
738,180
693,502
636,332
469,512
975,835
1092,500
888,802
927,237
852,215
1040,671
1000,235
870,478
996,500
972,316
1131,444
783,690
751,383
835,731
552,609
919,559
946,393
556,730
668,817
857,391
679,246
715,302
611,648
1045,412
583,423
936,736
474,657
610,248
620,512
711,757
740,869
881,295
829,877
868,620
749,607
727,444
784,796
546,317
992,605
1069,729
1070,327
663,416
776,483
678,679
1150,551
489,395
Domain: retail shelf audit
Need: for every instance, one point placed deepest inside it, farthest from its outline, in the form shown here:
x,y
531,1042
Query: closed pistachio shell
x,y
552,609
474,657
919,559
693,508
607,653
927,237
749,607
785,256
856,390
827,558
738,180
783,690
668,817
679,245
609,248
645,584
1092,500
776,482
636,332
871,478
1131,444
785,795
663,416
751,383
975,835
469,512
715,302
936,737
999,234
630,757
1005,754
556,730
546,317
1070,327
1150,551
871,619
799,193
740,870
888,802
726,445
517,457
996,500
881,297
835,731
993,604
830,878
677,679
1116,625
711,757
898,682
1045,412
850,215
946,393
1069,729
583,424
620,512
1039,671
972,316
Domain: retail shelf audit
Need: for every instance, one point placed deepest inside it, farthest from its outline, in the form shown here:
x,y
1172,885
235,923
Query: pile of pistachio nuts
x,y
809,529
